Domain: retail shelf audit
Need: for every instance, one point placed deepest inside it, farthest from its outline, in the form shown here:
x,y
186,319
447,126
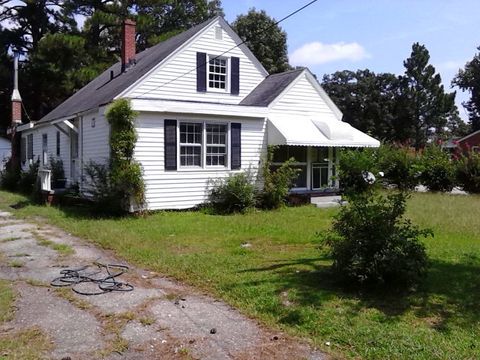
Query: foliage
x,y
264,38
412,108
367,100
9,177
125,173
354,167
28,179
423,104
438,173
56,167
374,246
234,194
106,198
468,171
400,165
468,79
276,183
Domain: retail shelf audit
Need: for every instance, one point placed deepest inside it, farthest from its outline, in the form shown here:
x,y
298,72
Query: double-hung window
x,y
216,145
217,73
191,135
203,144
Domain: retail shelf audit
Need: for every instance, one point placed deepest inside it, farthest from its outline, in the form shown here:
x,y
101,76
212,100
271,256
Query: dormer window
x,y
217,73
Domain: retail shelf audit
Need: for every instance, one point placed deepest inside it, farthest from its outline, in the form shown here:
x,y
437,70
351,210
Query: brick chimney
x,y
16,98
128,44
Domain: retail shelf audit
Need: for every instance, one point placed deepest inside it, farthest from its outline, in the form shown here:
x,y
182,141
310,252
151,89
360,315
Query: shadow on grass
x,y
449,295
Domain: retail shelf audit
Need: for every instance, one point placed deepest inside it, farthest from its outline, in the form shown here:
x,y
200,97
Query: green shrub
x,y
125,176
438,172
354,166
276,183
373,245
28,179
234,194
468,172
9,177
400,165
107,200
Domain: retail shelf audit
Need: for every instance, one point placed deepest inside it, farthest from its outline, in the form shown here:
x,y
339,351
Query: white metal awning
x,y
303,131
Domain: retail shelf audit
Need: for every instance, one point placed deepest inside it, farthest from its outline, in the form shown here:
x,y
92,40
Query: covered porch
x,y
315,144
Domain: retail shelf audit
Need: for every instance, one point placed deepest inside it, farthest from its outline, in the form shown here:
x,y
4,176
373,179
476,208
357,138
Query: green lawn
x,y
282,278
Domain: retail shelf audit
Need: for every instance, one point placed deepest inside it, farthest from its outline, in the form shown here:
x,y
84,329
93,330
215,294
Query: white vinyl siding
x,y
185,189
177,79
302,99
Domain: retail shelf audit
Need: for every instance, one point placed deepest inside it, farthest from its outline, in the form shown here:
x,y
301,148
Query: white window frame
x,y
227,74
203,146
298,163
187,144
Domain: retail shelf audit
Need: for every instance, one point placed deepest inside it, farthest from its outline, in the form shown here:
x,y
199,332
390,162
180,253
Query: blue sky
x,y
333,35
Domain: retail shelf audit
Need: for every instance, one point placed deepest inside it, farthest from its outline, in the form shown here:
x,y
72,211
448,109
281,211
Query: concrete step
x,y
327,201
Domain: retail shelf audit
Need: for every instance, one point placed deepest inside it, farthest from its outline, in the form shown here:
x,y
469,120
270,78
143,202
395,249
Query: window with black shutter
x,y
170,144
236,148
235,76
201,72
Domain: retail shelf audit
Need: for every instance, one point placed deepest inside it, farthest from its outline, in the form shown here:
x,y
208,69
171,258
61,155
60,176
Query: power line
x,y
225,52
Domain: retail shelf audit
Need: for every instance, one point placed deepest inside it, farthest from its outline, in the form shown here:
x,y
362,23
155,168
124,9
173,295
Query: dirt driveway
x,y
159,319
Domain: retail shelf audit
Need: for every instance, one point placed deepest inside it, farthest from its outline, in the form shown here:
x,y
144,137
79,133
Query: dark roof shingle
x,y
102,89
269,89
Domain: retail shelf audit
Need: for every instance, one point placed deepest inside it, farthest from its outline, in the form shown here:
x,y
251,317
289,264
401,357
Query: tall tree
x,y
424,106
367,100
468,79
264,38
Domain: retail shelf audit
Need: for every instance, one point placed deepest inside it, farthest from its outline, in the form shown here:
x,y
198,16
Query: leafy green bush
x,y
106,198
438,172
372,243
400,165
28,179
9,177
125,173
354,168
468,172
276,182
234,194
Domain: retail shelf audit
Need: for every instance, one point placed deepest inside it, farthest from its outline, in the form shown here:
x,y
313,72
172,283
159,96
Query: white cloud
x,y
451,65
316,53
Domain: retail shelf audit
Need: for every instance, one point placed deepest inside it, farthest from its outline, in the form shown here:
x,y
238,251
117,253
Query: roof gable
x,y
104,88
175,77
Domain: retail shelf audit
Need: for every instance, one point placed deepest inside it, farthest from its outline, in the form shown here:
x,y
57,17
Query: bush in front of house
x,y
438,171
276,182
400,165
234,194
9,177
356,167
28,179
468,172
374,246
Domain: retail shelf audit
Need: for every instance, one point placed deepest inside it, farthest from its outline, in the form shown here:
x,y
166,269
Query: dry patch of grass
x,y
63,249
15,264
29,344
11,238
113,325
7,297
67,294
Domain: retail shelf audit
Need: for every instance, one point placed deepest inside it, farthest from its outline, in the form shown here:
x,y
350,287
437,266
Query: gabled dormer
x,y
212,66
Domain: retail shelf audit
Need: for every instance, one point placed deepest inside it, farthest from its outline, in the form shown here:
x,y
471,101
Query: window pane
x,y
216,136
217,71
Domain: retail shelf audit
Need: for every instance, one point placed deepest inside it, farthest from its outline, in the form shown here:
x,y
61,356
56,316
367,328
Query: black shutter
x,y
170,144
236,149
201,72
235,75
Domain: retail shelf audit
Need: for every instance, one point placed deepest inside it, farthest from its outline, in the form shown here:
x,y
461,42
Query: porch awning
x,y
303,131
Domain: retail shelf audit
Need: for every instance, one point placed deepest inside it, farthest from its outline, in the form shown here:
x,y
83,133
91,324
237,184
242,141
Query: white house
x,y
5,151
207,108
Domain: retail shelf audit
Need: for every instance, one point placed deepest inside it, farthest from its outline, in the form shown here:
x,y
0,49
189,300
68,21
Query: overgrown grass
x,y
6,301
282,278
